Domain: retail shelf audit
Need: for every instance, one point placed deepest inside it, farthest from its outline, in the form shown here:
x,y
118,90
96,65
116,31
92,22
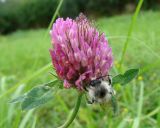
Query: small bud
x,y
140,78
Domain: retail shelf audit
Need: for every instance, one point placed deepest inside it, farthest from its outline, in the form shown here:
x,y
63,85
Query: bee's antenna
x,y
103,76
108,75
85,89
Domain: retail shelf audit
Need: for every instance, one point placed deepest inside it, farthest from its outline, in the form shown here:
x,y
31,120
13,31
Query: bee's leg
x,y
109,80
85,89
90,101
113,92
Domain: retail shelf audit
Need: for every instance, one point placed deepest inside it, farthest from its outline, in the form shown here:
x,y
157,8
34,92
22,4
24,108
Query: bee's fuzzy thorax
x,y
101,92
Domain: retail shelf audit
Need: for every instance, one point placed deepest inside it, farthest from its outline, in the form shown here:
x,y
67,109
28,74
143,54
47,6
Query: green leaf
x,y
129,75
18,99
117,79
38,91
126,77
36,97
30,102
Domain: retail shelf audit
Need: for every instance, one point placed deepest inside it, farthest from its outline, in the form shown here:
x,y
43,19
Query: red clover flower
x,y
80,53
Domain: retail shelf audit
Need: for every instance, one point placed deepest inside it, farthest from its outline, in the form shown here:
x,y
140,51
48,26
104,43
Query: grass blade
x,y
54,17
34,122
27,79
136,122
130,31
138,41
26,118
124,122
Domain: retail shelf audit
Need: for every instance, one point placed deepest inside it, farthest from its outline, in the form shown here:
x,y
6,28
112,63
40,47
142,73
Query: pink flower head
x,y
80,52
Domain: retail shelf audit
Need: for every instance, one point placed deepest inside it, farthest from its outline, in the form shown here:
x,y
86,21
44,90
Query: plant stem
x,y
74,112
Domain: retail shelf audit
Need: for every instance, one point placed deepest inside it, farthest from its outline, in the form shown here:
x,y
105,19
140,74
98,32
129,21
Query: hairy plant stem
x,y
74,112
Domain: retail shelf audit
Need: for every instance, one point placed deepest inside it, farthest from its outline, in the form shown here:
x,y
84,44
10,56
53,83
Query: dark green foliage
x,y
36,13
23,14
105,7
18,99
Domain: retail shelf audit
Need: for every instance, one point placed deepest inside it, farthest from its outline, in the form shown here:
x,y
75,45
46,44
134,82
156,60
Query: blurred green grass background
x,y
25,52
